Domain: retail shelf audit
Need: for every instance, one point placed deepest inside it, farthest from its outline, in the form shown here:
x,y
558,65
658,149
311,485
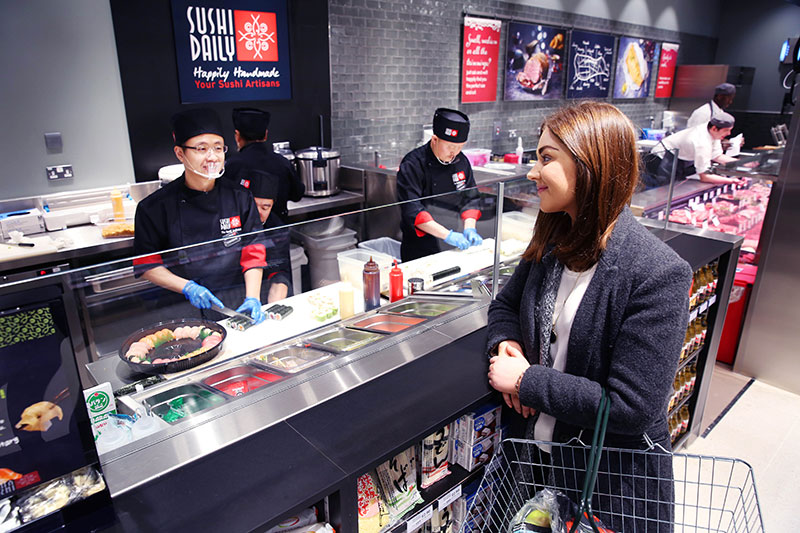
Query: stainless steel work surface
x,y
309,205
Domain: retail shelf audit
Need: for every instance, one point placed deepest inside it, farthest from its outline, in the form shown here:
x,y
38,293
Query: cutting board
x,y
42,245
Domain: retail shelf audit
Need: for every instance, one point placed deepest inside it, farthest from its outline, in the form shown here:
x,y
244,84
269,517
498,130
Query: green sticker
x,y
97,401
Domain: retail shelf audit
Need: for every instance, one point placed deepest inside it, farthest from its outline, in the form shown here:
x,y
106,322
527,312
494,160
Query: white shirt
x,y
694,144
570,294
702,115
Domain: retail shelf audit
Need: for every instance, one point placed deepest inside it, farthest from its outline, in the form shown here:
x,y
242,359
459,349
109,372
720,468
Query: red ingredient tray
x,y
388,323
240,380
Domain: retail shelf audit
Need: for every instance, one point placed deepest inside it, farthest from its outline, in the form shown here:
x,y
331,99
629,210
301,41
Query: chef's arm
x,y
277,292
162,277
252,283
722,158
469,223
432,227
720,180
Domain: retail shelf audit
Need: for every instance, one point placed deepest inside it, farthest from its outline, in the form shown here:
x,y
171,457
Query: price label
x,y
712,300
692,315
705,196
715,220
449,498
419,519
703,307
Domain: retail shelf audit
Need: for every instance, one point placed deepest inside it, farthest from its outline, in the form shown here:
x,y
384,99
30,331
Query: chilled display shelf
x,y
680,404
438,496
690,358
681,441
702,308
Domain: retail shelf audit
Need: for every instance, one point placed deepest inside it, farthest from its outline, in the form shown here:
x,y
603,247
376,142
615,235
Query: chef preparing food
x,y
697,147
437,167
196,208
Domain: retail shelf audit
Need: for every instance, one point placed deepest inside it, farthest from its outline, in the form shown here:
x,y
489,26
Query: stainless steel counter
x,y
311,204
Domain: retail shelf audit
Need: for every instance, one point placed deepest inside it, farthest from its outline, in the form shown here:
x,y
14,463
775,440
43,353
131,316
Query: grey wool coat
x,y
626,337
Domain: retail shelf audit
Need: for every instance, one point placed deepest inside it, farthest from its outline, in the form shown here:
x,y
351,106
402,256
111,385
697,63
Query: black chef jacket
x,y
420,175
176,216
260,156
279,268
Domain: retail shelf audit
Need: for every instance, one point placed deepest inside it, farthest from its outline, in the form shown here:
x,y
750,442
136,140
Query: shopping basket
x,y
710,493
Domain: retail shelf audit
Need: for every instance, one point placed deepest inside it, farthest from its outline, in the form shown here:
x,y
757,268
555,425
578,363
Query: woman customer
x,y
597,302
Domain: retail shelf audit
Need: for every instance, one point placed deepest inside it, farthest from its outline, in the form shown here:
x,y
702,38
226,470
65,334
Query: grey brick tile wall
x,y
393,62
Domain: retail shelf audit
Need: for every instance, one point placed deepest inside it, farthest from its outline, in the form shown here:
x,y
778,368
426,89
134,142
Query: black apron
x,y
658,170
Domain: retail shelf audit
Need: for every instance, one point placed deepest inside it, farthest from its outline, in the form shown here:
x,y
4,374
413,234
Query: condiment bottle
x,y
395,283
346,302
116,205
372,285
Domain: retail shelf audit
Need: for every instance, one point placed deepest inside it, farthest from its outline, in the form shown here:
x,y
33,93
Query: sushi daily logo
x,y
460,180
450,132
98,401
229,228
216,34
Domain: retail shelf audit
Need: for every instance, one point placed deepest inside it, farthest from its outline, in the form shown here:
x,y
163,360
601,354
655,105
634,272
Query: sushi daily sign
x,y
232,51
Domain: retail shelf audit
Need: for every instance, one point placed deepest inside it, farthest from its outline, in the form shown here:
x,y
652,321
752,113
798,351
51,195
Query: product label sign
x,y
481,48
232,51
666,70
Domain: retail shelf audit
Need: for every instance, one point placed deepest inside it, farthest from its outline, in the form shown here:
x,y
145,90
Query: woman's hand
x,y
505,370
512,349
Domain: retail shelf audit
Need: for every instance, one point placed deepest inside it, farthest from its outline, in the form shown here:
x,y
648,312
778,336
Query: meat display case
x,y
291,412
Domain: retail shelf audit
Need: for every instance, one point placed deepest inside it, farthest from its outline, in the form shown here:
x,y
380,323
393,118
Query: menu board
x,y
591,57
231,51
534,62
480,58
44,428
634,63
666,70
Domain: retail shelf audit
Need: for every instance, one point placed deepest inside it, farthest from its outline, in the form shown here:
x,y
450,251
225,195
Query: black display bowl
x,y
173,347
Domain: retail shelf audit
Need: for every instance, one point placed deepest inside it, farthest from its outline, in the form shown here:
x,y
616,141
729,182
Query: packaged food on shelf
x,y
397,478
55,495
478,424
307,517
433,457
471,457
372,516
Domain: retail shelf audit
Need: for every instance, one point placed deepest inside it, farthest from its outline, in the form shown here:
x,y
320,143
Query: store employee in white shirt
x,y
724,94
696,149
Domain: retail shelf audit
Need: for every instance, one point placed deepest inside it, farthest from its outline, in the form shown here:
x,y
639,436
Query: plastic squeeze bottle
x,y
116,205
520,150
372,285
346,304
395,283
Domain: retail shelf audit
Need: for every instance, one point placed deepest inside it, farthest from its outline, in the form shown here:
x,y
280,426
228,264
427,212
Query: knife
x,y
231,313
23,244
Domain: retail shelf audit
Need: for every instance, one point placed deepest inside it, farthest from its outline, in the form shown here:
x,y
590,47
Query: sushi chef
x,y
256,154
434,168
195,208
696,149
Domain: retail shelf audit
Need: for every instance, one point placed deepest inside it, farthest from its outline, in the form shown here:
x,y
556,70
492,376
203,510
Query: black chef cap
x,y
725,88
194,122
261,184
252,123
722,120
451,125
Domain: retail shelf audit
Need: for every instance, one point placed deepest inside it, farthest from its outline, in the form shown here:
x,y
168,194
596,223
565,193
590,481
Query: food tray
x,y
343,340
387,323
172,349
423,308
292,359
174,405
240,380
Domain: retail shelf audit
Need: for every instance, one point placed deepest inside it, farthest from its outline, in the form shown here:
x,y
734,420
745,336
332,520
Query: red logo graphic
x,y
256,36
450,132
245,183
236,222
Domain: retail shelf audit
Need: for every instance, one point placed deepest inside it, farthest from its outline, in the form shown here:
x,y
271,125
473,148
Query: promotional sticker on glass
x,y
634,63
534,62
591,58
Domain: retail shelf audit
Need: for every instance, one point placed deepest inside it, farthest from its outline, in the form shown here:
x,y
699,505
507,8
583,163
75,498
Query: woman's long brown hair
x,y
602,141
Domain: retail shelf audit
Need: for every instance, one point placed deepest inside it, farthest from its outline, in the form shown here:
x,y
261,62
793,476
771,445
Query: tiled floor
x,y
763,429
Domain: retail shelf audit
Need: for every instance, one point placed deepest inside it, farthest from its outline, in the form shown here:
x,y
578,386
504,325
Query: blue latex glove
x,y
252,307
199,296
457,239
473,237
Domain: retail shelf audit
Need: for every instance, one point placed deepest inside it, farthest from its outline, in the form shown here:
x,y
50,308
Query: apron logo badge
x,y
459,179
231,223
450,132
245,183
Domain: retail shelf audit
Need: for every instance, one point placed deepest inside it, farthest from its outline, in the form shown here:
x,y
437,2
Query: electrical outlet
x,y
496,130
59,172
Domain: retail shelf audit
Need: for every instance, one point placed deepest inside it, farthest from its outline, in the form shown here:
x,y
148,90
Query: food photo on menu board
x,y
591,58
534,62
634,63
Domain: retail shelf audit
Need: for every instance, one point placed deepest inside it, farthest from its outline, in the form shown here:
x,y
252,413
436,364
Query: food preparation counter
x,y
309,204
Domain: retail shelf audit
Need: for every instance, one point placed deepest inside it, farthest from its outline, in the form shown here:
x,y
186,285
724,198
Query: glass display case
x,y
270,417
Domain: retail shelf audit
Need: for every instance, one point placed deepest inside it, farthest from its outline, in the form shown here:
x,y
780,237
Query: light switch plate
x,y
53,142
59,172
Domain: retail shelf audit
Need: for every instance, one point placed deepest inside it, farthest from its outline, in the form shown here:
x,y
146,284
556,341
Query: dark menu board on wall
x,y
634,64
479,64
233,50
591,58
44,428
666,70
534,62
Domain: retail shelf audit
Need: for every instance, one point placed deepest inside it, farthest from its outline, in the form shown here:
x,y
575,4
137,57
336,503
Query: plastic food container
x,y
351,267
240,380
176,404
477,156
517,225
293,359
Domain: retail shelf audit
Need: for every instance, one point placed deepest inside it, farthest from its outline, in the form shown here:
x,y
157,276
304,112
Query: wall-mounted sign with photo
x,y
591,57
634,64
232,51
534,62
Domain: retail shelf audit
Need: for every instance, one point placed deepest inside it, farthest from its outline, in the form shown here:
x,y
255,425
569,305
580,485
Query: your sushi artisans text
x,y
207,79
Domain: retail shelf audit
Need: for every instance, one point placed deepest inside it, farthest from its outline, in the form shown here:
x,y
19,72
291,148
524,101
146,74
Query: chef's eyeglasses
x,y
203,149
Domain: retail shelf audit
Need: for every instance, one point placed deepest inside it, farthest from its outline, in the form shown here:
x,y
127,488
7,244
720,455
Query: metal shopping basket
x,y
710,493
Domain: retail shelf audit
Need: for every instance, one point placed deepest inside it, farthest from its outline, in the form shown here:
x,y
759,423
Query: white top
x,y
702,115
570,294
694,144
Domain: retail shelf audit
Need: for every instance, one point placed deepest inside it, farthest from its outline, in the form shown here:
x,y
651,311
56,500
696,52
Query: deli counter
x,y
247,424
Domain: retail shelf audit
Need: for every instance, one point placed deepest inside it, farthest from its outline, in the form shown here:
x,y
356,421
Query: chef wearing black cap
x,y
696,149
724,93
437,167
255,154
196,208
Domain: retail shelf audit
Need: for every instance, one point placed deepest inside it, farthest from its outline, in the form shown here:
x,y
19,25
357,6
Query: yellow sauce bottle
x,y
116,206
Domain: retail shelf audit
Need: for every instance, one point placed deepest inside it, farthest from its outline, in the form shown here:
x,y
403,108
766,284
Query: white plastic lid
x,y
112,436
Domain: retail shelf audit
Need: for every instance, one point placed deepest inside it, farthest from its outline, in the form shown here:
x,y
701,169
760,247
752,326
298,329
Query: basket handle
x,y
598,439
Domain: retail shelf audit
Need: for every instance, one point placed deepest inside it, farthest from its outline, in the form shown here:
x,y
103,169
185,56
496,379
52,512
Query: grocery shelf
x,y
680,404
689,359
681,441
697,310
